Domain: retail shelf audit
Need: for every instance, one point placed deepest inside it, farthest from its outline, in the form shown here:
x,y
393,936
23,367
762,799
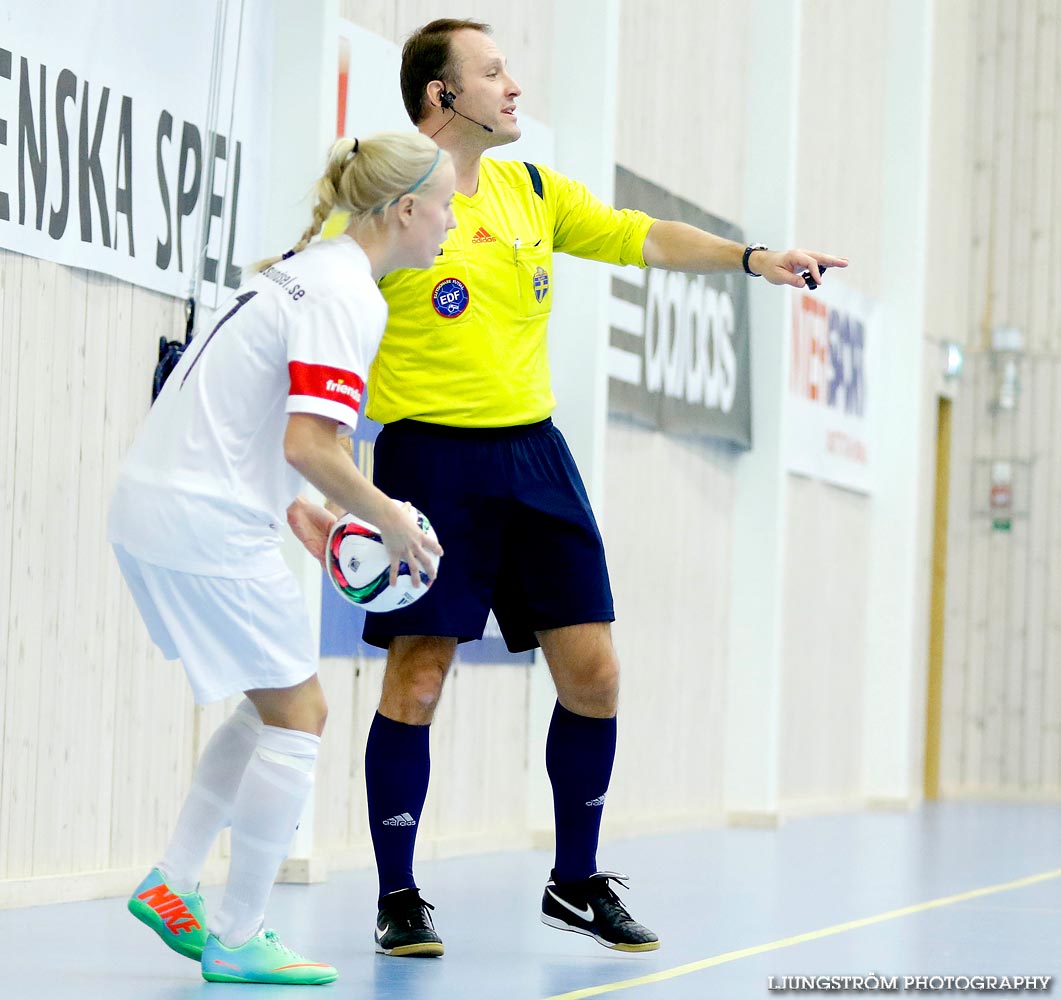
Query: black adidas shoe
x,y
404,927
591,907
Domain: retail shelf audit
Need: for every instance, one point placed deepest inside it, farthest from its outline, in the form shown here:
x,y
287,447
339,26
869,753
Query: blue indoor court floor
x,y
958,889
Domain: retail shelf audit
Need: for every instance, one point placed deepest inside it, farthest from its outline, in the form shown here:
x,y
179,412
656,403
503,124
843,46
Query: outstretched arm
x,y
676,246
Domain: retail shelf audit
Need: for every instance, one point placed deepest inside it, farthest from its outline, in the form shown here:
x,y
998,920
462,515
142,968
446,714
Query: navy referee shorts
x,y
514,519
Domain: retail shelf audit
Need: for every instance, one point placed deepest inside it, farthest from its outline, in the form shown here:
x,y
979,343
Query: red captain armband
x,y
325,382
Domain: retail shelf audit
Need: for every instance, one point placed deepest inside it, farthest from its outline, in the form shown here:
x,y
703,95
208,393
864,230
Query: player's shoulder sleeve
x,y
585,226
330,348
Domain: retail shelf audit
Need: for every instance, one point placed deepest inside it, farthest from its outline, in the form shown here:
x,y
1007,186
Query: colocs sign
x,y
678,356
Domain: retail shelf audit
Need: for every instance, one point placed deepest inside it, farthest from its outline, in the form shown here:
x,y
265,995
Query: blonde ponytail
x,y
364,176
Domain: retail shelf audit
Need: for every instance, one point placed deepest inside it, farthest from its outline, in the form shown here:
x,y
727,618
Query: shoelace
x,y
273,940
606,895
412,912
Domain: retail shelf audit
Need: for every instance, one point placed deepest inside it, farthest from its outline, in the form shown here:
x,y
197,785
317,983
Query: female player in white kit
x,y
253,406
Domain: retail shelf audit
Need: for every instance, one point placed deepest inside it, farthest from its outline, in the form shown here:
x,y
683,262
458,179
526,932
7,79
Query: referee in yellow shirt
x,y
461,384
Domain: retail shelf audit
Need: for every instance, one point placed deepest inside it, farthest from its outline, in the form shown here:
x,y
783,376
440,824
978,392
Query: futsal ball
x,y
359,567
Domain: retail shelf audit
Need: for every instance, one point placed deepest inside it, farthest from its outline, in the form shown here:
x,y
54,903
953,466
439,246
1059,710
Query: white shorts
x,y
232,634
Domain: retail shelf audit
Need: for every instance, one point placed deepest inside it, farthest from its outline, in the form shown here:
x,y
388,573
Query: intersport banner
x,y
110,157
833,363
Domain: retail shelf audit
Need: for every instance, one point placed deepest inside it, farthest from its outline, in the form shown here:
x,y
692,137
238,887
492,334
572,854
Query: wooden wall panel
x,y
95,620
668,502
682,72
1001,275
1023,20
24,640
841,135
340,765
823,646
1050,190
1040,406
957,79
981,112
1020,447
1002,690
80,779
1051,626
10,279
53,835
1045,184
973,704
999,616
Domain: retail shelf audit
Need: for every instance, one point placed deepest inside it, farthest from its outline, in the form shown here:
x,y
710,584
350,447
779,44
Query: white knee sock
x,y
208,808
268,806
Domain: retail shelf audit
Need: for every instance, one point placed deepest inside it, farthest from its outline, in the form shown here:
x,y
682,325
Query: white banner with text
x,y
124,150
832,351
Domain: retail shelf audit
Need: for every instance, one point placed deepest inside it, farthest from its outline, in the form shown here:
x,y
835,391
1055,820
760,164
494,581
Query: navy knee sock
x,y
397,768
579,753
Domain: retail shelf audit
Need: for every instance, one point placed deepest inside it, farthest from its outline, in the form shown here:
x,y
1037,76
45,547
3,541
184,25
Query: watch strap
x,y
748,251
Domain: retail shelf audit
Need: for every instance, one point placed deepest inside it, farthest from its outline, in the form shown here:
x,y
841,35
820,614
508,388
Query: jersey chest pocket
x,y
534,264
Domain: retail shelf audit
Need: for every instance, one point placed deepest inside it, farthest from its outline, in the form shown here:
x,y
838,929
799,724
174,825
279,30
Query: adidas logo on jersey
x,y
403,820
599,801
482,236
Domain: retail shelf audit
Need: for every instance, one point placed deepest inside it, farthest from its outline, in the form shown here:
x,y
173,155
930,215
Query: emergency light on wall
x,y
1007,347
953,360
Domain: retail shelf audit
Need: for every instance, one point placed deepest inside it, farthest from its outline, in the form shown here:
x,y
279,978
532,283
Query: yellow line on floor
x,y
733,956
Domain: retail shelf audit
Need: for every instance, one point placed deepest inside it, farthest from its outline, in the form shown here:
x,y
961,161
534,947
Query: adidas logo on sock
x,y
599,801
403,820
483,236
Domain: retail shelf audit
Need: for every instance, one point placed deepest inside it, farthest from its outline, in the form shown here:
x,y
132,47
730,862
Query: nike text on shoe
x,y
178,918
263,959
405,928
590,907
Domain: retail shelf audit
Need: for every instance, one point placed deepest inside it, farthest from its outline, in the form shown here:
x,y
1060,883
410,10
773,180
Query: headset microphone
x,y
447,97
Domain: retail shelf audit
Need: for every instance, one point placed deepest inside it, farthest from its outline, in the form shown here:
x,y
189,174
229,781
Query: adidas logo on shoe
x,y
598,801
482,236
403,820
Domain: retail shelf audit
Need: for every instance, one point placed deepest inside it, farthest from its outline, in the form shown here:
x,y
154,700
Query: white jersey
x,y
205,487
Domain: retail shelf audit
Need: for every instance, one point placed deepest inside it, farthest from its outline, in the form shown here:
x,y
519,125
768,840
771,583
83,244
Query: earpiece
x,y
447,99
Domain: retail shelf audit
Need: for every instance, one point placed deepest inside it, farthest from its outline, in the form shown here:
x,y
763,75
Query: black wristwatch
x,y
748,250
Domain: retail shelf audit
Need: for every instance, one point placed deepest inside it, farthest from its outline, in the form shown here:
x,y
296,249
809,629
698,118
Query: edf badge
x,y
541,283
450,298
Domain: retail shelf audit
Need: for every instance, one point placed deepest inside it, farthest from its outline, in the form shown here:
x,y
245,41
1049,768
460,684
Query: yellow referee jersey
x,y
465,343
